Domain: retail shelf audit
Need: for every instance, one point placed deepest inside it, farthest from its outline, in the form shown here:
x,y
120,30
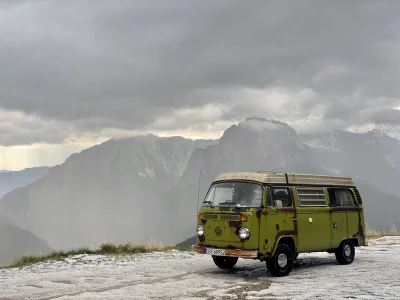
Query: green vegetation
x,y
105,249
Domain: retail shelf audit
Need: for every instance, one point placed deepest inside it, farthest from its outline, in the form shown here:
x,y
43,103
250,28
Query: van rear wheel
x,y
345,253
281,264
225,262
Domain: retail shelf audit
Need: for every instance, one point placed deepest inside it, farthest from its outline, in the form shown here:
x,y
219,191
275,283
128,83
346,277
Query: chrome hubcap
x,y
347,250
282,260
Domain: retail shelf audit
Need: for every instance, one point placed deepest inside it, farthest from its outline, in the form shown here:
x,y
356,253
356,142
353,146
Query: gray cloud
x,y
19,129
140,65
387,116
9,3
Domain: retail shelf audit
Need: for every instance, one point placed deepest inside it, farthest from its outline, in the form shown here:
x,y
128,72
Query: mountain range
x,y
10,180
147,188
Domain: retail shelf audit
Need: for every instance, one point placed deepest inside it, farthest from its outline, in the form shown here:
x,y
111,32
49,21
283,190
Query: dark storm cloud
x,y
132,64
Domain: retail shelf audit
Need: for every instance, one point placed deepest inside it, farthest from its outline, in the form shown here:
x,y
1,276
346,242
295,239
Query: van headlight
x,y
200,230
243,233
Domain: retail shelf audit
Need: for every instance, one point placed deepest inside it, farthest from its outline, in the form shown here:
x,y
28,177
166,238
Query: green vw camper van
x,y
273,217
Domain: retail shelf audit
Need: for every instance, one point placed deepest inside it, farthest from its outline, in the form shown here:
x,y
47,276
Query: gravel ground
x,y
374,274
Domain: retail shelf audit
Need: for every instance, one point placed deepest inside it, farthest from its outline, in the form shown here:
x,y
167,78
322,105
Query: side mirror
x,y
278,204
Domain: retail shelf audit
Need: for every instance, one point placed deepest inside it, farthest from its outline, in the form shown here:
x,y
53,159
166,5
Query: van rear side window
x,y
311,196
341,197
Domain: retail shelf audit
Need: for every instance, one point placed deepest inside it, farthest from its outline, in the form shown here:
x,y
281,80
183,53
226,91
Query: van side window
x,y
341,197
282,194
311,196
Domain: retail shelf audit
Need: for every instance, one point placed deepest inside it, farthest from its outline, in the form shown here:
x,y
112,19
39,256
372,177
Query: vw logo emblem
x,y
218,231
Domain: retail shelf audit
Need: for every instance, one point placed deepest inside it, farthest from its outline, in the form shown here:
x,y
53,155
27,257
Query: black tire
x,y
225,262
281,264
345,253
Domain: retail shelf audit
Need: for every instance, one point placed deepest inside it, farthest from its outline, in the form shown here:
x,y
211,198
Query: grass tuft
x,y
104,249
394,231
108,248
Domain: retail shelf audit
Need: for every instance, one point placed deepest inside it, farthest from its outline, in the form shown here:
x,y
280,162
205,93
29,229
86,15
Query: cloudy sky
x,y
74,73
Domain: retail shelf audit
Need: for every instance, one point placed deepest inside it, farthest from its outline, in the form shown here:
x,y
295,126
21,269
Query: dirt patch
x,y
255,280
34,286
243,292
63,281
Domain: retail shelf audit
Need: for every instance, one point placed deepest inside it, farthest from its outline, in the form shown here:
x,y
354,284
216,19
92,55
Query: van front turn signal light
x,y
243,218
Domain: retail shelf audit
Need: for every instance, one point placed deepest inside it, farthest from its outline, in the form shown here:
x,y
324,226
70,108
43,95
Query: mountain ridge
x,y
16,242
390,130
11,180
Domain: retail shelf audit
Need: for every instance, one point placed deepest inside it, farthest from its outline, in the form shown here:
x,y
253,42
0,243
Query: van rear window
x,y
311,196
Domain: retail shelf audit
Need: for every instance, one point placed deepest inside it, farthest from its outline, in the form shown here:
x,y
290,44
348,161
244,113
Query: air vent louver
x,y
358,196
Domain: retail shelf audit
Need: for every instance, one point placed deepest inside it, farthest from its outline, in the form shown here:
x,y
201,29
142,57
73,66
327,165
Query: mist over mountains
x,y
103,194
145,188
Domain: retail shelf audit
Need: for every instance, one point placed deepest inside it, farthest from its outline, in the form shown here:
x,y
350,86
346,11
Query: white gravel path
x,y
374,274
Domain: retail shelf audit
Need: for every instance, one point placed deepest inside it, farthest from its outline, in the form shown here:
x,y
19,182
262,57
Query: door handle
x,y
294,219
310,220
335,225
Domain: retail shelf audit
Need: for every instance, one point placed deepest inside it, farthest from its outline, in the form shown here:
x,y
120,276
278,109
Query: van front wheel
x,y
345,253
225,262
281,263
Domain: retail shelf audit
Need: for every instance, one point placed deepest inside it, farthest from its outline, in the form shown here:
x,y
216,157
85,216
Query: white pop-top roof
x,y
287,178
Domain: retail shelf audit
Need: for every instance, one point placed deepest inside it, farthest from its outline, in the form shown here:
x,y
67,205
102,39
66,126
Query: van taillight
x,y
365,242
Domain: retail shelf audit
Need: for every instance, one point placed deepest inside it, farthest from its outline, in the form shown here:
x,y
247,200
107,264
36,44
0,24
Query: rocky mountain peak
x,y
261,124
391,130
263,131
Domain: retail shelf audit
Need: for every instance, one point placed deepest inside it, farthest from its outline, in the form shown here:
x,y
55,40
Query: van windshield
x,y
235,194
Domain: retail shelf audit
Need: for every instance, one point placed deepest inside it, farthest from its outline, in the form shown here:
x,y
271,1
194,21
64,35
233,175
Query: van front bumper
x,y
226,252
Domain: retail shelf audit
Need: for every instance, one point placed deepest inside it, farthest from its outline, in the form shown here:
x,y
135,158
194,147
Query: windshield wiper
x,y
209,203
229,203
